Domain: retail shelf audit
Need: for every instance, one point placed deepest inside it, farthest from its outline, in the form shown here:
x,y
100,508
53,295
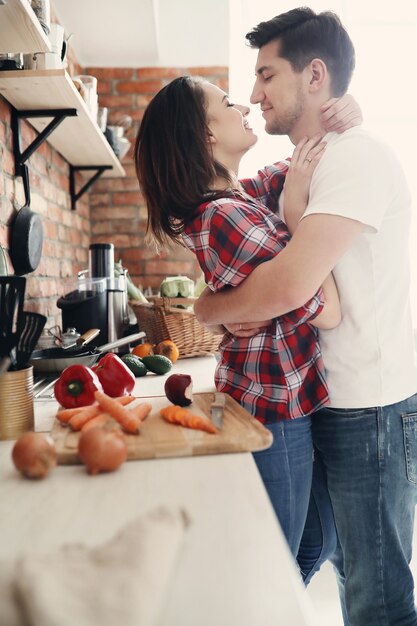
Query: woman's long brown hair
x,y
174,162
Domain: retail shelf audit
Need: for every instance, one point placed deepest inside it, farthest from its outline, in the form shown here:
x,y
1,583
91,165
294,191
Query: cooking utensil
x,y
57,359
217,409
26,239
83,339
4,365
32,328
12,293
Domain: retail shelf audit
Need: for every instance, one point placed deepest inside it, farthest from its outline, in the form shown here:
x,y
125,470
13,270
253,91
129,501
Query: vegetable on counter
x,y
102,449
135,364
76,386
134,292
127,420
65,415
114,375
157,363
34,454
169,349
179,389
142,349
184,417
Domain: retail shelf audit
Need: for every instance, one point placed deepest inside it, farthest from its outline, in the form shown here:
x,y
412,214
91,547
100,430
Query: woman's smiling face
x,y
231,134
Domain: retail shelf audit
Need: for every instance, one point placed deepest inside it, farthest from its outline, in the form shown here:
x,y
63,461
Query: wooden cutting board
x,y
158,439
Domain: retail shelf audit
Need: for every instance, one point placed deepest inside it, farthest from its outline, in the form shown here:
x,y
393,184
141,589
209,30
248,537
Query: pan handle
x,y
26,186
121,342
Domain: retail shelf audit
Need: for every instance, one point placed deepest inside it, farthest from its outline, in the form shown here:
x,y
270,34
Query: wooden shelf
x,y
20,30
78,139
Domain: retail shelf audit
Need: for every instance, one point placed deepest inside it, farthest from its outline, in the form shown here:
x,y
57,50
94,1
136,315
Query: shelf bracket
x,y
58,116
76,195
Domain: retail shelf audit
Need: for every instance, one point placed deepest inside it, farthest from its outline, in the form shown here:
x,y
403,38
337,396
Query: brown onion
x,y
34,454
102,449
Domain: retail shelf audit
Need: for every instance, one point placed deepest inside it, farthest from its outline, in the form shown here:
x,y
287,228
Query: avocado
x,y
157,363
135,364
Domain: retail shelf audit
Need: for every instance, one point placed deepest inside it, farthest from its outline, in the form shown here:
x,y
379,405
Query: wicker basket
x,y
163,319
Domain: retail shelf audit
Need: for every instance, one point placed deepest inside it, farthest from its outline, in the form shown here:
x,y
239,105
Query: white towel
x,y
120,582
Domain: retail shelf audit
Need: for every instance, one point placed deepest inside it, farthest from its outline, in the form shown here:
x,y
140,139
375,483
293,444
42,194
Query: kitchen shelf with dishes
x,y
76,136
20,29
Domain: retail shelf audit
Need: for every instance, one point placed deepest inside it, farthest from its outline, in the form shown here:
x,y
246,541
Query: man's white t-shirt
x,y
369,357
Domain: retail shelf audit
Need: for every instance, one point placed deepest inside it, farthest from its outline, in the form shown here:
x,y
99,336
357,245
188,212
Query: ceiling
x,y
147,33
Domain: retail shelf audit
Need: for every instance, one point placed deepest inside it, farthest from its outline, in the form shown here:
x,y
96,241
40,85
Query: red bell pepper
x,y
76,386
115,377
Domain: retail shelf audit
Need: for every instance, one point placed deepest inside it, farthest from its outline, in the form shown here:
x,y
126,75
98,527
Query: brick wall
x,y
113,211
118,213
66,233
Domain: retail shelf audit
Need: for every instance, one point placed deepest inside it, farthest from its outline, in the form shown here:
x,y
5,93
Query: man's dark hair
x,y
305,35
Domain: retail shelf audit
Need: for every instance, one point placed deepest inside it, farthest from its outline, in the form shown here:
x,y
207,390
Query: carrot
x,y
64,415
99,420
126,419
77,421
124,400
141,411
177,415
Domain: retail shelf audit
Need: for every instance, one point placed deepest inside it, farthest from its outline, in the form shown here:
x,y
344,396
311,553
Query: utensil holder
x,y
16,403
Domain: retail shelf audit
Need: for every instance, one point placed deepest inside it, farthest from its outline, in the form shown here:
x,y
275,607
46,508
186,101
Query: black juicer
x,y
100,300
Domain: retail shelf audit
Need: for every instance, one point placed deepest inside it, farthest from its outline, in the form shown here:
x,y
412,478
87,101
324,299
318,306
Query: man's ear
x,y
318,75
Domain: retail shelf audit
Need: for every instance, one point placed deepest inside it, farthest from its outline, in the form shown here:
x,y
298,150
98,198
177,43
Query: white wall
x,y
384,83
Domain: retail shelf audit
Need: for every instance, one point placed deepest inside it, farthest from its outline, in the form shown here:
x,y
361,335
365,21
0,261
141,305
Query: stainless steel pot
x,y
57,359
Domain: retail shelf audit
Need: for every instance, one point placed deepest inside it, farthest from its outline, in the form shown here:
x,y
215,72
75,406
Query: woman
x,y
188,151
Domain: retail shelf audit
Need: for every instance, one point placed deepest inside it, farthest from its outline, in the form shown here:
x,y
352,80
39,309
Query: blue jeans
x,y
370,462
319,541
286,471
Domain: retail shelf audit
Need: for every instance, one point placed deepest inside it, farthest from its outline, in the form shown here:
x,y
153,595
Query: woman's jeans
x,y
286,469
370,462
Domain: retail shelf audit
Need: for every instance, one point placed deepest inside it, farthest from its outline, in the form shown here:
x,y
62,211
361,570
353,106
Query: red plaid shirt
x,y
277,374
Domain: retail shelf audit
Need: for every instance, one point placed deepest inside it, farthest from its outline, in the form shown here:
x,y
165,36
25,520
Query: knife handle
x,y
219,400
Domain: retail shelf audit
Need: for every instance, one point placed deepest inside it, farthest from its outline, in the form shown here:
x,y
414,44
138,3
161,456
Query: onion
x,y
102,449
34,454
178,389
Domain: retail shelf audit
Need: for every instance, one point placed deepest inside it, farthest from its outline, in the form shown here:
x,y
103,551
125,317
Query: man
x,y
356,225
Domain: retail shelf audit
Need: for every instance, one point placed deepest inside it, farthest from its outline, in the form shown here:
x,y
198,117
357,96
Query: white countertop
x,y
234,569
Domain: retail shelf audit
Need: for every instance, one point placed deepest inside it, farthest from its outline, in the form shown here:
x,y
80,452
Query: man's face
x,y
278,90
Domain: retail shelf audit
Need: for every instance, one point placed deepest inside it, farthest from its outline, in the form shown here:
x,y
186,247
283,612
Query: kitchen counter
x,y
234,568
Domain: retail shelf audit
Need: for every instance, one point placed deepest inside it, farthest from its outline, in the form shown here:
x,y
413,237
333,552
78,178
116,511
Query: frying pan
x,y
57,359
26,238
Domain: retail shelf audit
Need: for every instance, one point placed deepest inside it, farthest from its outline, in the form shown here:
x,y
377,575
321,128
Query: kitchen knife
x,y
84,338
217,409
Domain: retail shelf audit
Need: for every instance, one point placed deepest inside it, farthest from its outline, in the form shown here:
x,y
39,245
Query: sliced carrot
x,y
126,419
77,421
141,411
102,419
177,415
